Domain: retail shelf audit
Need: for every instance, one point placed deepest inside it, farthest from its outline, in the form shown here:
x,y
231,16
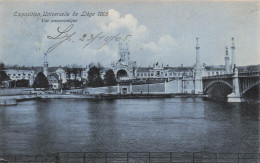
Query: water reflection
x,y
174,124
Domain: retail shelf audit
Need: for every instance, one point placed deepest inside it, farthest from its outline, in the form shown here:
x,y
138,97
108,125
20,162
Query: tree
x,y
41,81
94,78
68,71
75,72
2,66
3,76
109,78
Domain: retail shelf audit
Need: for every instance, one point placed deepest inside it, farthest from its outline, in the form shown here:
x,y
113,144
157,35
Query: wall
x,y
159,87
180,86
15,91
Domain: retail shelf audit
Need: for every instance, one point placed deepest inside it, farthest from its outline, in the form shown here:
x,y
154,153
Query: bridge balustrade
x,y
248,74
241,74
218,76
131,157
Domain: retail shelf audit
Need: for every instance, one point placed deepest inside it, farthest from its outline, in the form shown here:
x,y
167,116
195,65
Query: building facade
x,y
16,75
124,68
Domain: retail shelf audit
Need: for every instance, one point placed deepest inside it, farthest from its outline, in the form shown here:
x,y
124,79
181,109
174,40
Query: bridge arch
x,y
250,86
217,81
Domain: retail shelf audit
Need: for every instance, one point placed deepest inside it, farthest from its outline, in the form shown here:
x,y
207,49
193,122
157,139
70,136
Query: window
x,y
217,73
213,73
208,73
151,74
165,74
175,74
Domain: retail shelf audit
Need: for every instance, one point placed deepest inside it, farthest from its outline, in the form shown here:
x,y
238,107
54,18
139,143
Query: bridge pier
x,y
234,98
235,95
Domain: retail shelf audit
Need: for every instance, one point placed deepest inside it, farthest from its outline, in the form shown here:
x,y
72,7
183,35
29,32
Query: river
x,y
129,125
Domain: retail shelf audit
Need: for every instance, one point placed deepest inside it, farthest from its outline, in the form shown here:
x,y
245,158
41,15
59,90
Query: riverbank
x,y
147,95
14,99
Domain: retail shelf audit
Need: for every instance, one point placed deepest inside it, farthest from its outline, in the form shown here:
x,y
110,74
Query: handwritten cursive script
x,y
62,35
67,34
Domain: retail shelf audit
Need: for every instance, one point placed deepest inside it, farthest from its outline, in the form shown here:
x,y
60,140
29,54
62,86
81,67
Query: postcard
x,y
129,81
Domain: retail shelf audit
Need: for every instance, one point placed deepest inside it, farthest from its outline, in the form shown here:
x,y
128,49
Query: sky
x,y
159,31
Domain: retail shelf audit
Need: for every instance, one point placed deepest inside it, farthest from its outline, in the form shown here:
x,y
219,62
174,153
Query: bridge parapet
x,y
218,76
241,74
249,74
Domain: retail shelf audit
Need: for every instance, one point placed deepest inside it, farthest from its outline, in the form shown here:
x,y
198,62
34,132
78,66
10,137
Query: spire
x,y
45,65
197,54
226,50
233,61
45,57
197,45
233,43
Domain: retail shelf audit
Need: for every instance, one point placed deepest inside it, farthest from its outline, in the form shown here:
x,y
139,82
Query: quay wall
x,y
15,91
157,88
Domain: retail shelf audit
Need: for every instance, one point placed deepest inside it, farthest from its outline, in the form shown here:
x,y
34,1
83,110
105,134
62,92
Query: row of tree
x,y
94,79
3,75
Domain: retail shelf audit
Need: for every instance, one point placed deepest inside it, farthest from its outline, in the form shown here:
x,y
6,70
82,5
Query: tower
x,y
45,65
197,54
235,95
233,61
227,61
124,53
198,88
124,67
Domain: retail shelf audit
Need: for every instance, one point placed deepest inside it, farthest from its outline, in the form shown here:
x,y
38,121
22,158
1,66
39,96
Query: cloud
x,y
151,50
155,37
162,50
114,24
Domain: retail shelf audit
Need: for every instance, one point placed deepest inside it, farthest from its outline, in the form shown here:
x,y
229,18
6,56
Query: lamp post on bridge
x,y
148,83
235,95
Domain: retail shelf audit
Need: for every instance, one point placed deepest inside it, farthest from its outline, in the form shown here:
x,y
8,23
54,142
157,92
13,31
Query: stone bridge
x,y
240,83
